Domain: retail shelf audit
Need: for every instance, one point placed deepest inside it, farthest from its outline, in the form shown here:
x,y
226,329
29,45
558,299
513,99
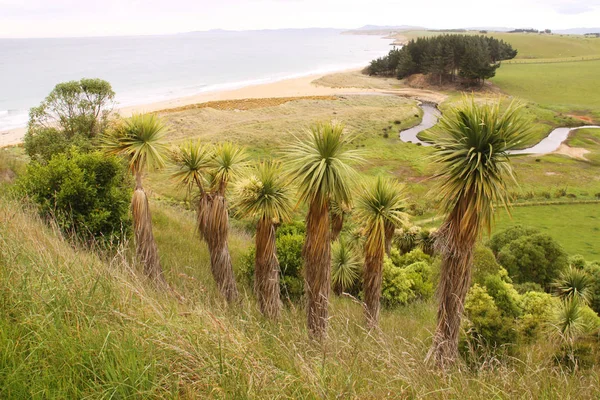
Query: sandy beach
x,y
295,87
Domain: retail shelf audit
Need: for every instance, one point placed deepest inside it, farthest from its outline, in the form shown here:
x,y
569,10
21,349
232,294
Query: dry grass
x,y
77,325
245,104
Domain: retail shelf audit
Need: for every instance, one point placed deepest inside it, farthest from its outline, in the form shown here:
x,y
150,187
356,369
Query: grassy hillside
x,y
533,45
575,226
570,86
76,325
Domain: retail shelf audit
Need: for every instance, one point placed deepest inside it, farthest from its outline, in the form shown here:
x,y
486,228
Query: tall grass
x,y
74,324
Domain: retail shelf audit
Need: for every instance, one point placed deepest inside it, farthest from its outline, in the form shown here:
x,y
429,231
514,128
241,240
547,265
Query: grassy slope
x,y
575,226
74,325
571,86
566,87
531,46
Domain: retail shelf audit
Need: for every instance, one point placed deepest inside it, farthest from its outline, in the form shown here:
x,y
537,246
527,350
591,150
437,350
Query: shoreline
x,y
291,87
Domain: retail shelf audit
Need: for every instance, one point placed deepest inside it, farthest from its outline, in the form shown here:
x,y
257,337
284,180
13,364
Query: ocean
x,y
147,69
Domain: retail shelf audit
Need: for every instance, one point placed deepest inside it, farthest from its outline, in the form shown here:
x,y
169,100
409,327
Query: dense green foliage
x,y
535,258
502,238
475,58
72,114
406,278
86,194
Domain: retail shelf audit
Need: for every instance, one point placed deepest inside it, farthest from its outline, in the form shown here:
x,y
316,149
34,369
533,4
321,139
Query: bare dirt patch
x,y
430,82
583,118
573,152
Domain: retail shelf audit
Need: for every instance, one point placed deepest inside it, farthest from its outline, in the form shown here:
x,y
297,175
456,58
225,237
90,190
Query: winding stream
x,y
431,115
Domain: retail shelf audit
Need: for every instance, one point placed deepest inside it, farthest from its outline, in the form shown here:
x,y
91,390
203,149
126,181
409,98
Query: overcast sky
x,y
56,18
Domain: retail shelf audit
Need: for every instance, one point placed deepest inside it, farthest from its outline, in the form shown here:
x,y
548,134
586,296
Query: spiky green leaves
x,y
265,194
320,164
472,154
191,161
345,266
227,164
380,206
140,139
574,284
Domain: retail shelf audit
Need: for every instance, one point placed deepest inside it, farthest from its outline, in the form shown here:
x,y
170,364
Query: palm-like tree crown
x,y
140,140
345,265
320,164
574,284
472,151
265,194
378,206
228,162
191,161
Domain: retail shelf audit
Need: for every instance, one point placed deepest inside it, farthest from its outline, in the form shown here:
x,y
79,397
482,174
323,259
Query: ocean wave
x,y
12,119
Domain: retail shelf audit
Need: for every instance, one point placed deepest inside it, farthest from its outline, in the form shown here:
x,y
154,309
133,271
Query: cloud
x,y
573,7
51,18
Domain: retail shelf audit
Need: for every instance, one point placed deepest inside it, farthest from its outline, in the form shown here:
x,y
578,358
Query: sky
x,y
63,18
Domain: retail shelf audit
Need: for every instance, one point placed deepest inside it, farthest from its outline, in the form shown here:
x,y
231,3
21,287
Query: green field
x,y
533,45
575,226
571,86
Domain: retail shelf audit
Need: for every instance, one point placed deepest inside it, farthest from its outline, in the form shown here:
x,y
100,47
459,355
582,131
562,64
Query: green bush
x,y
505,296
523,288
485,325
48,142
484,265
403,260
87,194
577,261
538,309
406,278
502,238
536,258
593,270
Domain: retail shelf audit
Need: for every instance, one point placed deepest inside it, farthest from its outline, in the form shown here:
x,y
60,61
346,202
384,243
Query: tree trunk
x,y
373,277
455,241
145,245
390,230
266,272
213,225
337,223
317,268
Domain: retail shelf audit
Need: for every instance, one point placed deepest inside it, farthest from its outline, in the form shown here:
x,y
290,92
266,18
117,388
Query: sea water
x,y
147,69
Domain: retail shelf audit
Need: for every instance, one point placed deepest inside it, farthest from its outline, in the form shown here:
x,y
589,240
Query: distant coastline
x,y
290,87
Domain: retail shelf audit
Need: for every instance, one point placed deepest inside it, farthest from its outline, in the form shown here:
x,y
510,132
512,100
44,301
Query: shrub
x,y
87,194
538,309
593,270
484,265
577,261
560,193
536,258
407,239
501,239
485,326
407,279
412,257
505,296
525,287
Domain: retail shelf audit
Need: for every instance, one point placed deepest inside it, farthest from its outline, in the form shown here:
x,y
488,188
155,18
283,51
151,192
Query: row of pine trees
x,y
318,172
446,57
